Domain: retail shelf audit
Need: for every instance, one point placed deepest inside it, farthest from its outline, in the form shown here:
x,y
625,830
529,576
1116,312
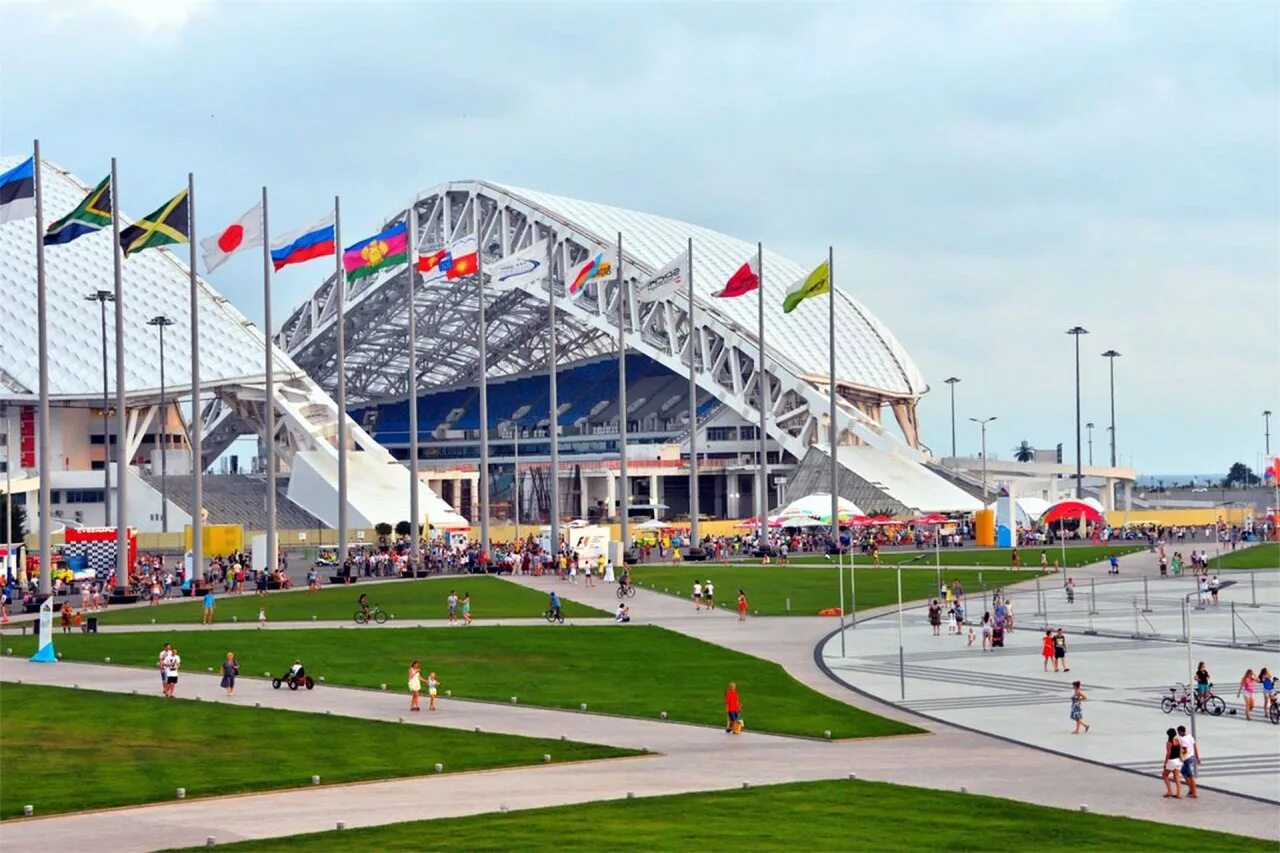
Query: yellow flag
x,y
817,283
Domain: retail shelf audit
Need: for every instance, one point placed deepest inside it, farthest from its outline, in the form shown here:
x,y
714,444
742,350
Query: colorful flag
x,y
378,252
430,263
244,233
666,281
599,266
461,260
305,244
18,191
92,214
814,284
523,267
167,224
745,280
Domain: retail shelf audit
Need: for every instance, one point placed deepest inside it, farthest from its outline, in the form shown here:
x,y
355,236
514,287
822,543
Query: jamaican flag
x,y
167,224
816,283
91,215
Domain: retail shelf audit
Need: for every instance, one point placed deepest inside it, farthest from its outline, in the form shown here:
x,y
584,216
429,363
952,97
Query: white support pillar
x,y
611,493
655,495
584,499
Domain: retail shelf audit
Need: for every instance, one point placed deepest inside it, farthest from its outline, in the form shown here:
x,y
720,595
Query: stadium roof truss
x,y
873,369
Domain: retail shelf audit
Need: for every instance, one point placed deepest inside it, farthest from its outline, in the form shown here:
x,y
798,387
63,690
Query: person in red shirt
x,y
742,606
733,708
1046,652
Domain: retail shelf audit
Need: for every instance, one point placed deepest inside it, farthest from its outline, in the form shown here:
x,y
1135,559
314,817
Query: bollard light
x,y
315,780
181,793
439,768
546,758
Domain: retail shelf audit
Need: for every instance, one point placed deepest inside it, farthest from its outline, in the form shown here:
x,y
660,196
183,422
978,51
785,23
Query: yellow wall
x,y
1178,517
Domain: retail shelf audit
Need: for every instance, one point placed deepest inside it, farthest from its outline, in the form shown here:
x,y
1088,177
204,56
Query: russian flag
x,y
314,241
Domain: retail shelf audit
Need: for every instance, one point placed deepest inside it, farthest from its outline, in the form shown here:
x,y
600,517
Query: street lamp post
x,y
160,322
982,422
1266,430
952,380
1076,332
1089,427
1111,355
102,297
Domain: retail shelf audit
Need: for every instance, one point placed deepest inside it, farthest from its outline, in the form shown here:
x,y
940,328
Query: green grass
x,y
491,598
633,670
65,750
844,815
1264,555
814,588
1076,556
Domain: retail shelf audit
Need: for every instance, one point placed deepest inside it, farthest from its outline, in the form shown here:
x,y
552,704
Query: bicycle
x,y
1273,713
553,615
628,591
376,614
1206,704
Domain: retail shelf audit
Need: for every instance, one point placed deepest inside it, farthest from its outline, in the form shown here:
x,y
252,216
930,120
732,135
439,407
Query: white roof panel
x,y
156,281
867,354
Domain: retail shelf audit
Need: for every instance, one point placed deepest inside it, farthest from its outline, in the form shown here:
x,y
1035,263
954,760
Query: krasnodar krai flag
x,y
745,280
382,250
666,281
18,192
244,233
814,284
600,265
523,267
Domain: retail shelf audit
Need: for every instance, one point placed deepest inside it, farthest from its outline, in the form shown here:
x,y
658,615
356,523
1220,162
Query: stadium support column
x,y
762,388
269,560
197,425
411,383
624,492
122,424
42,334
694,539
554,420
340,285
484,381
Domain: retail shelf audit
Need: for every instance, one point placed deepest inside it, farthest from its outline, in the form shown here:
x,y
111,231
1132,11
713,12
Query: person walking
x,y
1190,760
453,607
433,687
733,709
742,606
1172,765
1268,689
466,608
1046,652
935,617
162,665
709,595
1077,710
415,686
207,617
1060,651
988,632
1247,685
697,595
230,669
171,666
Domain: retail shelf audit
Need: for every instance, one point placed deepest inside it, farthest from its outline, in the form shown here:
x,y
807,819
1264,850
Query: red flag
x,y
745,280
462,266
428,263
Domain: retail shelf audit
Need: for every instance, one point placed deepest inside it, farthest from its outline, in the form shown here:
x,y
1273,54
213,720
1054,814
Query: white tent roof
x,y
818,505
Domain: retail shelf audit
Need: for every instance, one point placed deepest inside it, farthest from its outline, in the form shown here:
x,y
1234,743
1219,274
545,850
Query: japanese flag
x,y
244,233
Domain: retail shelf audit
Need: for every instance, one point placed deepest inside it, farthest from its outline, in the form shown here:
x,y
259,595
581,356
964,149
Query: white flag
x,y
523,267
666,281
244,233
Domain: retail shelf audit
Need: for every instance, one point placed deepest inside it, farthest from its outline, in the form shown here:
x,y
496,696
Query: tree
x,y
402,529
19,515
1024,452
1240,474
383,530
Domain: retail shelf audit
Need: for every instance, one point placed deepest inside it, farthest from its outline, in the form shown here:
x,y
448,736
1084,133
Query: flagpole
x,y
122,444
412,384
833,433
693,413
555,403
197,440
624,484
484,383
762,388
42,322
340,283
269,403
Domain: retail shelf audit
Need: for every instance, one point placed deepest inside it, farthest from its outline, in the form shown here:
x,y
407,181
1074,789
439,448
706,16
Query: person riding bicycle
x,y
624,580
363,601
555,604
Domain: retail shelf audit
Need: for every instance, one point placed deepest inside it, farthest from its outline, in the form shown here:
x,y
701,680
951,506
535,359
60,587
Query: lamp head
x,y
1111,354
1077,330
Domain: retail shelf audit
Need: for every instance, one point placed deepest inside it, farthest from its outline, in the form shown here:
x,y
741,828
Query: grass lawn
x,y
844,815
1076,555
634,670
1264,555
62,751
491,598
813,588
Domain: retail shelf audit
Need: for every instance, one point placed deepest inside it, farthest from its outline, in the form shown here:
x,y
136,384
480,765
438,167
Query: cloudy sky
x,y
989,174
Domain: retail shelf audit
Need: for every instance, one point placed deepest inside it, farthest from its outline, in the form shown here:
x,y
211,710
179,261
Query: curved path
x,y
686,758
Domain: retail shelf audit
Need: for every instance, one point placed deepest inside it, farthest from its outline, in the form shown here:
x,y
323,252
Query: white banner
x,y
523,267
670,279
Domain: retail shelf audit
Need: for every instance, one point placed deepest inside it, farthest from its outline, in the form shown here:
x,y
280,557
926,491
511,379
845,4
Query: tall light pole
x,y
1111,355
952,380
1076,332
160,322
1266,430
1089,427
102,297
982,422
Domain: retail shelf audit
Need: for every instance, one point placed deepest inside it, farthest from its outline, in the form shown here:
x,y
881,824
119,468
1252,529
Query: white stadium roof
x,y
155,282
867,354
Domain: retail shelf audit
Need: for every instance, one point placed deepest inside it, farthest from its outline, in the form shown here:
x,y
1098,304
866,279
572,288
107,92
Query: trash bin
x,y
91,625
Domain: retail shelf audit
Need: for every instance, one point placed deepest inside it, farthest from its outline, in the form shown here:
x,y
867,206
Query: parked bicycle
x,y
1206,703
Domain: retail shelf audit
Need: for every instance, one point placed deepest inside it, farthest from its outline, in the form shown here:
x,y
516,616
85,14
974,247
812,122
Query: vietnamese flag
x,y
745,280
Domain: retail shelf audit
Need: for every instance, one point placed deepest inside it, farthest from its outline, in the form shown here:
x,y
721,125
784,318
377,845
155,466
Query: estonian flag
x,y
18,192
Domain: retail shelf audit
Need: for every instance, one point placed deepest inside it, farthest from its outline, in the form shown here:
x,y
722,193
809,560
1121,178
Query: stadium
x,y
884,465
